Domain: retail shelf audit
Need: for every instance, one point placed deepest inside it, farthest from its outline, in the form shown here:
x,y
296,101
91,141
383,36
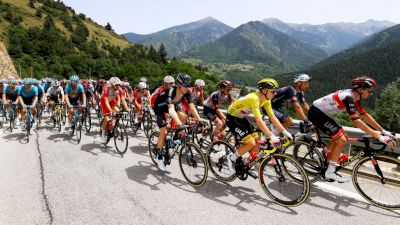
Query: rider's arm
x,y
67,100
305,107
260,124
124,104
84,98
173,114
20,100
299,111
62,94
371,121
194,112
276,123
4,97
220,114
364,127
35,99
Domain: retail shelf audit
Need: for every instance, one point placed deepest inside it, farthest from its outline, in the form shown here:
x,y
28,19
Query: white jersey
x,y
54,91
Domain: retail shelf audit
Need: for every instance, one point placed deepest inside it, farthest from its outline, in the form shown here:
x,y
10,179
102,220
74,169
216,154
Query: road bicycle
x,y
192,161
117,130
376,177
282,178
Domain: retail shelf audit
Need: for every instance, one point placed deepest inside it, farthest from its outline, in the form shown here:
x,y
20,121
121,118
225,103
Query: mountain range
x,y
331,37
184,37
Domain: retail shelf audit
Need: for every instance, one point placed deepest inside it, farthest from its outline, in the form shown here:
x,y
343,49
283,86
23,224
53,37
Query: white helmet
x,y
143,79
114,81
301,77
142,85
169,79
200,83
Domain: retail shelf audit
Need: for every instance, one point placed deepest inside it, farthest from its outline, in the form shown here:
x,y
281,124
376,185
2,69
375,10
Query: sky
x,y
148,16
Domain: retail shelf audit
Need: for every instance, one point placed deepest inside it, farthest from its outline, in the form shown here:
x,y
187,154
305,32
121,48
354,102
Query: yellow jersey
x,y
248,104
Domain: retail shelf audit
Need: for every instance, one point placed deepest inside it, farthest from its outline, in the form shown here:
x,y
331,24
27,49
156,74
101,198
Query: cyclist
x,y
238,123
55,93
89,91
11,95
74,96
196,92
211,107
167,102
293,94
321,111
169,81
41,95
139,92
28,96
110,101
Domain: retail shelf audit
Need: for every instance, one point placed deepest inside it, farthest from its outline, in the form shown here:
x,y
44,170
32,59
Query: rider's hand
x,y
275,141
83,106
387,133
70,106
287,134
202,123
24,106
389,141
32,106
307,123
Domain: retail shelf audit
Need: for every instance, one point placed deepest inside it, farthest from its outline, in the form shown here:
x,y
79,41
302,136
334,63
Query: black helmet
x,y
184,79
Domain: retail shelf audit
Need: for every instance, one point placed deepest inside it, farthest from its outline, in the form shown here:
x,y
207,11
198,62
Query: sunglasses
x,y
273,92
186,85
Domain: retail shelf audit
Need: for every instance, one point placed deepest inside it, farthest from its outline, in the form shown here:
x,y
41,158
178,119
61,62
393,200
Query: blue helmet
x,y
28,81
74,78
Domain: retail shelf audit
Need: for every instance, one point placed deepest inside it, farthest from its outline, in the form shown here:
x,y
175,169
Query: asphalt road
x,y
53,180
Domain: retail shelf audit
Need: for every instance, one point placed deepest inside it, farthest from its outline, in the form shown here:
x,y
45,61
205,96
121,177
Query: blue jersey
x,y
74,93
7,90
32,92
40,92
46,86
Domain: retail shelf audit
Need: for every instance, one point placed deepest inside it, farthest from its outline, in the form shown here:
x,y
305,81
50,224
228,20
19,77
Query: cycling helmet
x,y
226,84
35,81
267,83
74,78
301,77
12,81
363,82
142,85
184,79
199,83
27,81
114,81
143,79
169,79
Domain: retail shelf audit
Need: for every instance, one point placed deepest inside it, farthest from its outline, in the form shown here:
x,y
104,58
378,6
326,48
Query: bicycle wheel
x,y
193,164
309,157
152,146
12,121
78,130
276,179
28,127
58,122
120,138
87,122
368,183
147,124
217,160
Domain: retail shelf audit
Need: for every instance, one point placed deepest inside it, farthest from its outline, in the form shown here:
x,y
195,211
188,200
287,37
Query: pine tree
x,y
49,23
162,54
108,27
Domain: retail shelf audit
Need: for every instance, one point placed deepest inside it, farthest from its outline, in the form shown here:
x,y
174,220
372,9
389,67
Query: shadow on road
x,y
213,189
342,203
97,147
17,136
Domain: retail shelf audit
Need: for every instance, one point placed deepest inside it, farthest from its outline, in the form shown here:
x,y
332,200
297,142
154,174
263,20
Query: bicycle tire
x,y
87,122
147,124
217,153
310,158
191,154
121,135
59,123
78,131
153,144
28,127
12,122
299,196
359,176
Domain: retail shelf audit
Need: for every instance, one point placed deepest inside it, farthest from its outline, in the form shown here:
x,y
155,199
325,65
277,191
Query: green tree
x,y
49,23
162,54
108,27
388,107
244,91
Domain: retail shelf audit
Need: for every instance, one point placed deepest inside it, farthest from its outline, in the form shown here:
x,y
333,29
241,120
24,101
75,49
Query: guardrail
x,y
352,131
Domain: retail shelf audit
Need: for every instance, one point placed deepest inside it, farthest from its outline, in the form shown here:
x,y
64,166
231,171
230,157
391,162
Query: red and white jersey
x,y
112,94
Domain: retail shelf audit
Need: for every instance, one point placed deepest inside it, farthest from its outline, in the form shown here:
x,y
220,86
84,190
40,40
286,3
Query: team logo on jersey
x,y
331,126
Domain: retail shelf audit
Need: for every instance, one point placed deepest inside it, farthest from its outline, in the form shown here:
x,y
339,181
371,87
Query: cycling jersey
x,y
40,92
339,101
138,96
11,95
196,94
248,104
28,95
46,86
216,99
74,93
168,96
287,94
55,91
